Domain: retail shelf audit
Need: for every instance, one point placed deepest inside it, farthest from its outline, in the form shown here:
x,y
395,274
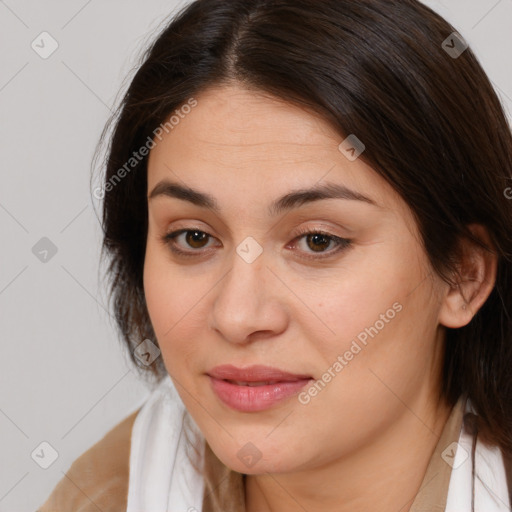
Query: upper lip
x,y
255,373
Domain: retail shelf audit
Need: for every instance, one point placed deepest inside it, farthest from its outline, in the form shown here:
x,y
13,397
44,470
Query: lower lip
x,y
255,398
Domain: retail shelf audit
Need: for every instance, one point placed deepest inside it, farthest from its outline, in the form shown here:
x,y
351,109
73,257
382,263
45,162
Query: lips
x,y
248,383
254,374
254,388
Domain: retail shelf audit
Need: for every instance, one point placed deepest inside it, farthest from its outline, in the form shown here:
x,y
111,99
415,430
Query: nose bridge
x,y
248,266
245,283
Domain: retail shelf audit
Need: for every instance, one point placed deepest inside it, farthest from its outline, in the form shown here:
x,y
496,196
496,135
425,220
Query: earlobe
x,y
477,269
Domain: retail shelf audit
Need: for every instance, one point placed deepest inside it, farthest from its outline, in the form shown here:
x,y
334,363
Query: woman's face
x,y
348,319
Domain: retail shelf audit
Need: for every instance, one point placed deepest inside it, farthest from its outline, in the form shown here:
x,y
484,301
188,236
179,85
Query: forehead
x,y
238,141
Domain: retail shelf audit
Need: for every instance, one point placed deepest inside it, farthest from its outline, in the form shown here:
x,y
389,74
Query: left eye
x,y
317,241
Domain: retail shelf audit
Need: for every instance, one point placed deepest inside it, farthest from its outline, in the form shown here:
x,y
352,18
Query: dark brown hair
x,y
432,125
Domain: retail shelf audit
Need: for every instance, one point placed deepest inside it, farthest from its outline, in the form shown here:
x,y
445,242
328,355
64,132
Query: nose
x,y
249,302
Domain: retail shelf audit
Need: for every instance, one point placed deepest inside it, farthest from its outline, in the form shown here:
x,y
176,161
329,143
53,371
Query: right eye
x,y
192,237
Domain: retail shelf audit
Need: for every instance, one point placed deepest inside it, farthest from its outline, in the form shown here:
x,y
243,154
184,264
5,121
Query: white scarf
x,y
491,489
162,479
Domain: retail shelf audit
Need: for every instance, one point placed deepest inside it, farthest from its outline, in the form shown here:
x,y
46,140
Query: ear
x,y
476,278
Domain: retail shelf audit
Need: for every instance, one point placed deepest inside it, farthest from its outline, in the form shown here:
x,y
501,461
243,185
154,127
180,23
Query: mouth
x,y
254,388
248,383
254,373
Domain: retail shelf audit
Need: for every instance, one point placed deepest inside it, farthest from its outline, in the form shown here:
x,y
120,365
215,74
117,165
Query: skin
x,y
378,420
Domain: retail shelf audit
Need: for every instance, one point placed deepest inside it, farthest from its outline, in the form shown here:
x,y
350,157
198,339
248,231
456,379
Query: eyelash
x,y
343,243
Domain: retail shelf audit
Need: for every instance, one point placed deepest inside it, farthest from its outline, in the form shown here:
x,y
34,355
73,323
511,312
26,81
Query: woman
x,y
307,217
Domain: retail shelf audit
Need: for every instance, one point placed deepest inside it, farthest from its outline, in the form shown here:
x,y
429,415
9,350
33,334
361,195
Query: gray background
x,y
64,377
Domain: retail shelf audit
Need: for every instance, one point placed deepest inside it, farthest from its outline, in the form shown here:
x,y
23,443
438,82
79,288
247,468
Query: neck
x,y
385,475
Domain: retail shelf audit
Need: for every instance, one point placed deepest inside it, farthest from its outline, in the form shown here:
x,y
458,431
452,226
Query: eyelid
x,y
341,242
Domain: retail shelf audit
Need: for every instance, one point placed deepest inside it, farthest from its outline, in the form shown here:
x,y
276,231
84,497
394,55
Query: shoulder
x,y
98,479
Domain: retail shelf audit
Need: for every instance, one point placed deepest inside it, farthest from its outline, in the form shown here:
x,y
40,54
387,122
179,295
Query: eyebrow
x,y
291,200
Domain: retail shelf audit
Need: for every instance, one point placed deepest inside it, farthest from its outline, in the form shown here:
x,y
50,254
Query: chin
x,y
261,467
254,458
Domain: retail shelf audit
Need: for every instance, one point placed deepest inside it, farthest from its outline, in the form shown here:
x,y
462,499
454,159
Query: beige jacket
x,y
98,479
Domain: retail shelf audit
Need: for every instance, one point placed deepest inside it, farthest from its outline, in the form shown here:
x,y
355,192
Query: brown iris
x,y
318,238
196,237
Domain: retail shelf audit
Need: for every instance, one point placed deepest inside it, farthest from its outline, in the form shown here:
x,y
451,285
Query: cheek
x,y
369,290
388,352
380,315
174,306
156,291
